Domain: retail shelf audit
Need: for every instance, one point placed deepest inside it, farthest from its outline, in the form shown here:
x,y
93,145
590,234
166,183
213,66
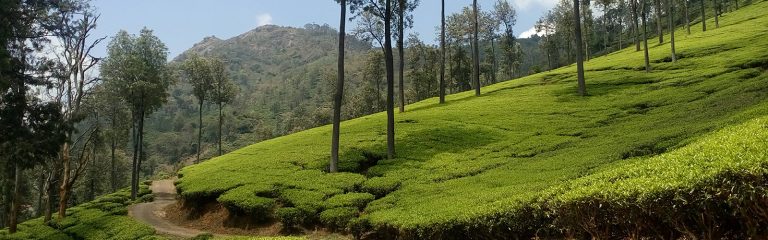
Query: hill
x,y
285,77
642,155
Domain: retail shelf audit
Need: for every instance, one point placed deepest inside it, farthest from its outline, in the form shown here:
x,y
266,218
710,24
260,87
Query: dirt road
x,y
152,213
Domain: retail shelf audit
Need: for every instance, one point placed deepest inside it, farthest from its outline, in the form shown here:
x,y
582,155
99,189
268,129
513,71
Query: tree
x,y
635,25
32,127
442,52
671,12
390,80
687,17
339,90
579,52
716,6
197,71
375,10
507,16
476,49
73,62
644,20
659,20
137,68
404,20
606,5
223,90
703,7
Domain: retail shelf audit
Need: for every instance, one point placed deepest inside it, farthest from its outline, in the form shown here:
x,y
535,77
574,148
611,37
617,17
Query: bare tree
x,y
442,52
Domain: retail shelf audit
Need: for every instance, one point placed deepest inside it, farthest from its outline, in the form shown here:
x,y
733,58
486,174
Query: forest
x,y
616,119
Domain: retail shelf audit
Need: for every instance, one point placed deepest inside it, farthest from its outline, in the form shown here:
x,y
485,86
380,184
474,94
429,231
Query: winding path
x,y
152,213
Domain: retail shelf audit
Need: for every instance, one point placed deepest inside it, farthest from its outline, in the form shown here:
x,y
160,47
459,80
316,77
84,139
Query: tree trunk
x,y
579,52
401,54
703,16
645,37
199,130
442,53
687,17
113,161
659,25
635,25
476,50
339,91
50,188
493,57
14,215
40,194
605,29
717,13
221,120
135,158
671,8
390,80
64,187
141,147
584,33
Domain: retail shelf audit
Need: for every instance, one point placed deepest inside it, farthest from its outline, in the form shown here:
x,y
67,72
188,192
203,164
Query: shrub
x,y
356,200
308,201
380,186
291,216
338,218
248,202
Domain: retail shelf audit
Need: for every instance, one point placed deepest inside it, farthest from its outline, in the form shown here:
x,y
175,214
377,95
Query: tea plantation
x,y
680,151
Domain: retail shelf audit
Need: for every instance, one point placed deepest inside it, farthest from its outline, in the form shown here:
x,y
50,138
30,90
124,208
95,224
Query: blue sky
x,y
182,23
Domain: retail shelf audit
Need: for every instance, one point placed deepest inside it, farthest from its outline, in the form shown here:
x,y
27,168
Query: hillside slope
x,y
528,152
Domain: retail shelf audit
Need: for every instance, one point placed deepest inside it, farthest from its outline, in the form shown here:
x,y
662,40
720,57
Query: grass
x,y
103,218
528,152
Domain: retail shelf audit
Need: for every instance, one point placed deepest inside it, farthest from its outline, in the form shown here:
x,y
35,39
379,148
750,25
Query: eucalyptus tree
x,y
197,71
404,20
379,11
507,16
635,25
644,20
476,48
659,21
703,8
337,98
136,66
223,91
442,52
579,52
606,4
671,13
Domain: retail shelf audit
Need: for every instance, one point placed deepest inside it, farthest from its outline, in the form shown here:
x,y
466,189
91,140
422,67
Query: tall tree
x,y
442,52
606,4
196,70
377,14
671,13
390,79
507,16
224,91
475,49
579,52
404,20
32,127
687,17
703,7
716,7
339,90
635,25
644,19
137,68
77,21
659,22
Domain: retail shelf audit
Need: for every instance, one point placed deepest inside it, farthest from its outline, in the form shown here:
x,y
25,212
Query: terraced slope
x,y
527,155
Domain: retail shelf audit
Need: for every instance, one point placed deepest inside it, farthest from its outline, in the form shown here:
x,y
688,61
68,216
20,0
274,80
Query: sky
x,y
182,23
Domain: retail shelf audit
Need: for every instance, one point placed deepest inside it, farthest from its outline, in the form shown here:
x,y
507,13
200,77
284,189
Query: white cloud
x,y
529,33
263,19
528,4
